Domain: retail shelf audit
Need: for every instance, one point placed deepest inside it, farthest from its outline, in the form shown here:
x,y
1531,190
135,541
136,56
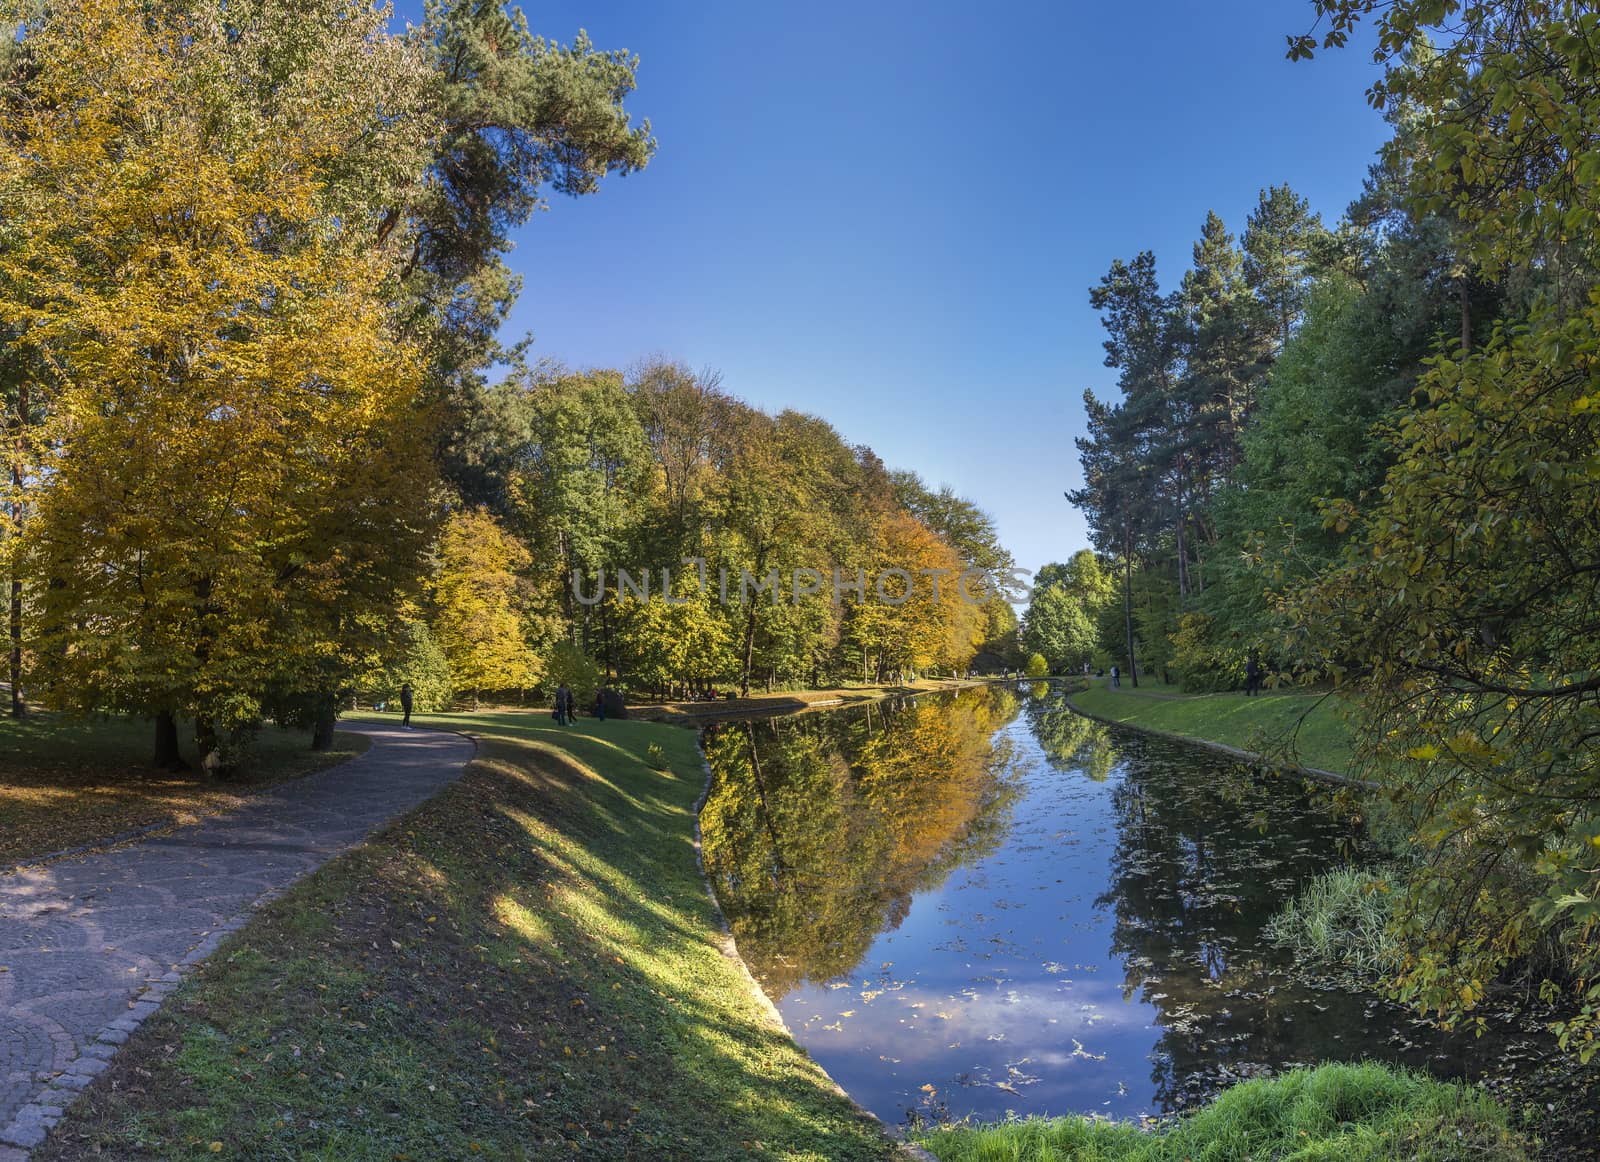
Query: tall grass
x,y
1340,919
1334,1113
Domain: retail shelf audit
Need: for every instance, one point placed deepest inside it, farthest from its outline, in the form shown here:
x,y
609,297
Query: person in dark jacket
x,y
405,705
1252,676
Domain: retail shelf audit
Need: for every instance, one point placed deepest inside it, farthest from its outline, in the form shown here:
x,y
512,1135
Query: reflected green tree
x,y
1069,740
819,829
1204,857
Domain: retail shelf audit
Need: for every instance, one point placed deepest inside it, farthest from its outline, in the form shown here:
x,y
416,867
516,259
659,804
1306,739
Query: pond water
x,y
982,902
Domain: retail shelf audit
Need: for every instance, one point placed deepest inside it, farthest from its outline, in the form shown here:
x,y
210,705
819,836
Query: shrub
x,y
655,756
1037,666
567,663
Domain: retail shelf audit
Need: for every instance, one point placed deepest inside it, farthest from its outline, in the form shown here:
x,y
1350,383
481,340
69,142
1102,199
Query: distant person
x,y
563,700
1116,677
600,705
1252,676
405,706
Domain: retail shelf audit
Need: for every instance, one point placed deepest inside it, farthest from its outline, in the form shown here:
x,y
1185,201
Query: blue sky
x,y
889,213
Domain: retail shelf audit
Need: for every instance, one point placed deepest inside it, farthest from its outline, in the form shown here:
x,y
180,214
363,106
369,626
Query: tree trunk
x,y
322,728
18,709
17,706
1127,609
167,756
749,650
205,737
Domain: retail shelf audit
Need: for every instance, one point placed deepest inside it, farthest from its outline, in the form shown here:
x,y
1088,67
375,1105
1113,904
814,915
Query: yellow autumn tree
x,y
914,614
481,605
234,477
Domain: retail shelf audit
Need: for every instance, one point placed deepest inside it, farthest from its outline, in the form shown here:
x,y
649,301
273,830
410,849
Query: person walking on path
x,y
1116,678
405,705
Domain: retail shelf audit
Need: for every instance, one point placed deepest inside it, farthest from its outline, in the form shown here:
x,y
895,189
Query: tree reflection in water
x,y
1088,906
820,828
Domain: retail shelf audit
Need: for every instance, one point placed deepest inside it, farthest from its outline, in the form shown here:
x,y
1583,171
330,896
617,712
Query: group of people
x,y
566,712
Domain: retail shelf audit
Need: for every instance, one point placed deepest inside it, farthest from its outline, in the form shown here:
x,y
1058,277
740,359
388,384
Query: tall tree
x,y
480,604
232,395
1280,242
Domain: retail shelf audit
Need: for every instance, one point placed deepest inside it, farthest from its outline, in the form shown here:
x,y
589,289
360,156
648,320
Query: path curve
x,y
90,946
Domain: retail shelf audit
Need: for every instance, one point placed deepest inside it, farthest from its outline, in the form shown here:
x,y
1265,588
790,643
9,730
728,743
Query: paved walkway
x,y
91,945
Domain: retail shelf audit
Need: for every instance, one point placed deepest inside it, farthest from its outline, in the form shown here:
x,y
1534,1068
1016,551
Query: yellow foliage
x,y
236,464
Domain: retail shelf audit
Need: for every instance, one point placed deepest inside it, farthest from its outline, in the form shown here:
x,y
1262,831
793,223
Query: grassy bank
x,y
525,967
67,782
1336,1113
1292,725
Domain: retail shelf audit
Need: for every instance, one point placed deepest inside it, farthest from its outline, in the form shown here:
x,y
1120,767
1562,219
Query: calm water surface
x,y
977,903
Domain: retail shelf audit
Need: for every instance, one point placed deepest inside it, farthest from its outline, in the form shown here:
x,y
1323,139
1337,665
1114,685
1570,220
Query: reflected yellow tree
x,y
820,829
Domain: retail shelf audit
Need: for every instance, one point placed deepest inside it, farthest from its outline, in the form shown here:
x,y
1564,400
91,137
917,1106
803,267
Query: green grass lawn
x,y
67,782
1300,727
1335,1113
527,966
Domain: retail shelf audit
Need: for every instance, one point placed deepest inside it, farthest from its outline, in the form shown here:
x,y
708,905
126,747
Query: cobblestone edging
x,y
91,946
32,1122
730,949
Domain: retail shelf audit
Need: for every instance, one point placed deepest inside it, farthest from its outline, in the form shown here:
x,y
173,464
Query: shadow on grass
x,y
525,967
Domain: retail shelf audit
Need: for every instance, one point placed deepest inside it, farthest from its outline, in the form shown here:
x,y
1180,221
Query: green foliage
x,y
568,665
656,757
1334,1113
423,664
1038,667
1065,608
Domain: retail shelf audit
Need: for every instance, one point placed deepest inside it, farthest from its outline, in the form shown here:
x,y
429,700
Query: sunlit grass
x,y
1335,1113
1305,728
528,966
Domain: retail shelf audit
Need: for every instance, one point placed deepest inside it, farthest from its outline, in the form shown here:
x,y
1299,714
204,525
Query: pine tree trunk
x,y
1127,608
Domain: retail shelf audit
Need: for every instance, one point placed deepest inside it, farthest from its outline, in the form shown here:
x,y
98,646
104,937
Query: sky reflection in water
x,y
978,903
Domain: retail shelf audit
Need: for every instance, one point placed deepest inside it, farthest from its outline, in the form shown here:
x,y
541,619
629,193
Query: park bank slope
x,y
1291,726
528,966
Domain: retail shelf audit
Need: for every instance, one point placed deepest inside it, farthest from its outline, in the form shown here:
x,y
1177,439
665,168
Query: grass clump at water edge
x,y
1334,1113
1340,919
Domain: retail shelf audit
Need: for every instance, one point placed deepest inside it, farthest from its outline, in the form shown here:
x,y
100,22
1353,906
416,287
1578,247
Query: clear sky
x,y
889,213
